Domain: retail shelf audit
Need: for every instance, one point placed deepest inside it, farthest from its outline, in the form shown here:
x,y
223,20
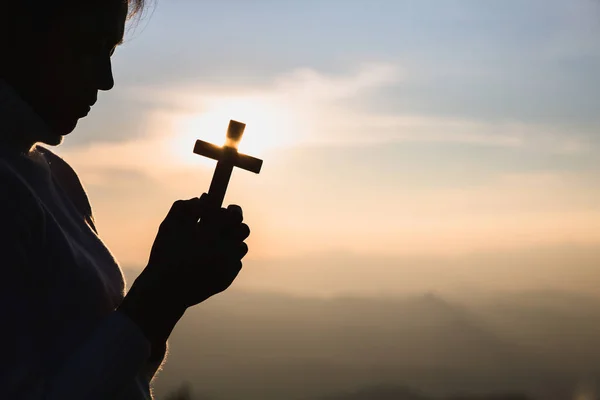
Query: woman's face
x,y
66,66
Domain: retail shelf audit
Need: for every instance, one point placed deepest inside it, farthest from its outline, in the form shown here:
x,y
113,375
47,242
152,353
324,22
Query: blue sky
x,y
528,62
387,127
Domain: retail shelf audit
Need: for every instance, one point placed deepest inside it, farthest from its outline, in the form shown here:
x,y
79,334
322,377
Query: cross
x,y
227,158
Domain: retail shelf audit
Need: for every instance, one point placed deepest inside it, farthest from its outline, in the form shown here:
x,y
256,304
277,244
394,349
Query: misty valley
x,y
252,345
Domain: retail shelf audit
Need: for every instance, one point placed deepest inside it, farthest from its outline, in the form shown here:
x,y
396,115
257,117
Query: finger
x,y
234,267
192,207
235,214
232,253
239,233
215,223
242,250
230,273
185,211
209,213
177,210
205,206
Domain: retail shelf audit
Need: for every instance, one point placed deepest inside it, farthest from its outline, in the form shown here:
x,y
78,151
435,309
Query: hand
x,y
193,261
197,253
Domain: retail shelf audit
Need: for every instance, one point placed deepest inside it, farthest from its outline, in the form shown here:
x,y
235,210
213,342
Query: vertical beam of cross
x,y
227,158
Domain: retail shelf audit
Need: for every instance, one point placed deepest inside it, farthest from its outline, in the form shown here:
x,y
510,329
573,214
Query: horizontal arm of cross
x,y
218,153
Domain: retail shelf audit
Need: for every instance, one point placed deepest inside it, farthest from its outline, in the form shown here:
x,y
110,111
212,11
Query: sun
x,y
268,125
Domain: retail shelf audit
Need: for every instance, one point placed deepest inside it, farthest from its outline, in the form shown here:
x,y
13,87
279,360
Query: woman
x,y
68,331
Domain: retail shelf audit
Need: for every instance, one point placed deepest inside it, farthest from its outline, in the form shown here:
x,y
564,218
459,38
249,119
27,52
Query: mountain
x,y
258,345
564,327
269,346
382,392
394,392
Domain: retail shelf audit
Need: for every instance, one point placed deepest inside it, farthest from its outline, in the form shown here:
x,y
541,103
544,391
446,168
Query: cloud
x,y
310,85
136,113
121,117
296,85
363,128
313,107
531,62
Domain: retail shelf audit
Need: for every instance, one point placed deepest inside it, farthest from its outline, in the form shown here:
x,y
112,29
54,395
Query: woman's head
x,y
57,55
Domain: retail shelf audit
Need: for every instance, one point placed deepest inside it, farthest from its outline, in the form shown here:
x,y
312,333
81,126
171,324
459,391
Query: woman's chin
x,y
56,134
52,140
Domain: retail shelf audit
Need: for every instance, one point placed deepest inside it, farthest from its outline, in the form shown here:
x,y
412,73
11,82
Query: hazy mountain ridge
x,y
381,392
564,328
391,392
244,345
369,331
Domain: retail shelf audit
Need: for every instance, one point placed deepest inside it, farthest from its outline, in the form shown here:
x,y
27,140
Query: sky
x,y
388,129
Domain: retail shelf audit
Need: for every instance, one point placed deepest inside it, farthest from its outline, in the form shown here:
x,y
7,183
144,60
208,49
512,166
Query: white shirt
x,y
59,284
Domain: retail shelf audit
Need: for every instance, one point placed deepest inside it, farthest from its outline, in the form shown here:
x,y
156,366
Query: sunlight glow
x,y
268,125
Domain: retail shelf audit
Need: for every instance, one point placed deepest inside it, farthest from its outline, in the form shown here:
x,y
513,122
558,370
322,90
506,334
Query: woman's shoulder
x,y
69,181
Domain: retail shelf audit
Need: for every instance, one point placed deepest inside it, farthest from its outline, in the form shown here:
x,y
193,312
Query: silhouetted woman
x,y
67,330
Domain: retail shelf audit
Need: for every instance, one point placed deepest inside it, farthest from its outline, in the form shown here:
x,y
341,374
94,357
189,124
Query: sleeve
x,y
155,362
109,361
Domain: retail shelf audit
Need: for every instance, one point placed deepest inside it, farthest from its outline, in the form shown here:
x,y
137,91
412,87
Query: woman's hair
x,y
43,12
21,18
136,7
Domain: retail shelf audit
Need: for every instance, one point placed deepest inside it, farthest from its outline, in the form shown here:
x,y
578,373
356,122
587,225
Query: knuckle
x,y
177,207
235,209
179,204
235,212
246,230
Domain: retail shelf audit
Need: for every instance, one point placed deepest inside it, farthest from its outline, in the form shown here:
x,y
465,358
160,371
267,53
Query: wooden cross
x,y
227,158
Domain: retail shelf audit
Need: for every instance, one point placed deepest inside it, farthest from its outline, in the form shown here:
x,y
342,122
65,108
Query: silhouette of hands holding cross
x,y
192,261
197,252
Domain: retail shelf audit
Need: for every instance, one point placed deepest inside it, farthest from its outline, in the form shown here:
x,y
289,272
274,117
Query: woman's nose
x,y
106,79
